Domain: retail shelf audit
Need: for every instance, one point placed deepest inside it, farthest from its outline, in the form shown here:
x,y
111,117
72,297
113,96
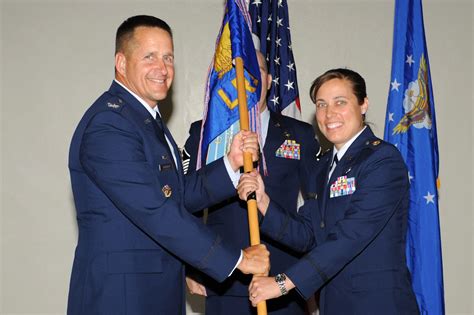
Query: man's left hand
x,y
195,287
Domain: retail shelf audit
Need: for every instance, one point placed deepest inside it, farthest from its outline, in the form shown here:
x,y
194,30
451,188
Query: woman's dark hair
x,y
356,80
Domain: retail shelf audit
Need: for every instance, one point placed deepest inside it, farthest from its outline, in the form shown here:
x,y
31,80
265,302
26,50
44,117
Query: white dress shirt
x,y
340,153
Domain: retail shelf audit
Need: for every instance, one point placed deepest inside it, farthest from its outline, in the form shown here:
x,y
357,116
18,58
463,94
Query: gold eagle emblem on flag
x,y
223,59
416,103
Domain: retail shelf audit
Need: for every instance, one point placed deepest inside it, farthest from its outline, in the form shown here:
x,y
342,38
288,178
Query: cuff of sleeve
x,y
305,276
238,262
234,176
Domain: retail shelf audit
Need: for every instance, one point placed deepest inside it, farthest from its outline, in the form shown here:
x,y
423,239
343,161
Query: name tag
x,y
165,167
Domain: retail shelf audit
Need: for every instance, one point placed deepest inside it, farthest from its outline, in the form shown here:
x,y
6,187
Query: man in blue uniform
x,y
131,195
287,174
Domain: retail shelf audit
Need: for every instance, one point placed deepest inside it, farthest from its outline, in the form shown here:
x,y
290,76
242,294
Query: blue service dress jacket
x,y
134,228
353,230
286,176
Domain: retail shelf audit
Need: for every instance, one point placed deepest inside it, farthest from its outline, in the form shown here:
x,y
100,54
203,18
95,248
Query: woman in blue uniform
x,y
353,225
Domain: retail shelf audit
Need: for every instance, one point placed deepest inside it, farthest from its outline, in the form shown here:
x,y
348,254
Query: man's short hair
x,y
127,28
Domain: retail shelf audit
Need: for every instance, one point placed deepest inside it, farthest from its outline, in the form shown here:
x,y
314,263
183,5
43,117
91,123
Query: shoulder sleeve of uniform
x,y
371,146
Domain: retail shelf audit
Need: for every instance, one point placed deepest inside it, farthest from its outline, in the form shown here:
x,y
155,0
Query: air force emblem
x,y
416,103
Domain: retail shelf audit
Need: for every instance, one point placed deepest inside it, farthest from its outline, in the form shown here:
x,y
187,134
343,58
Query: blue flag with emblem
x,y
411,126
221,112
271,23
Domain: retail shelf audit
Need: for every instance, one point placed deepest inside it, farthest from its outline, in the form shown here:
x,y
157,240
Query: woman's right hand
x,y
252,182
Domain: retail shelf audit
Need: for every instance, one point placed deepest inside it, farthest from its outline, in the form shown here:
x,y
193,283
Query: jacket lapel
x,y
323,190
175,149
345,165
148,122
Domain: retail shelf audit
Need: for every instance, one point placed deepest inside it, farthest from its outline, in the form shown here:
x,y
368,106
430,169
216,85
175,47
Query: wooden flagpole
x,y
248,165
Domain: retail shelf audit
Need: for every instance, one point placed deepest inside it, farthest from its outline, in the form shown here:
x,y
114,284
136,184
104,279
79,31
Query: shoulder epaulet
x,y
374,143
115,103
279,123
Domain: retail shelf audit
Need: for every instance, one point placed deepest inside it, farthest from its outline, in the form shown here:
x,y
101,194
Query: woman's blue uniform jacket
x,y
353,228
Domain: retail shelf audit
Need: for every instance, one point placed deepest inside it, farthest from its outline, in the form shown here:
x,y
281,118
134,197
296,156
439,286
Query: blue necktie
x,y
165,137
333,166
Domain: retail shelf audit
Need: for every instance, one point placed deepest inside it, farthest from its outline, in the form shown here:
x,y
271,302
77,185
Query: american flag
x,y
270,22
